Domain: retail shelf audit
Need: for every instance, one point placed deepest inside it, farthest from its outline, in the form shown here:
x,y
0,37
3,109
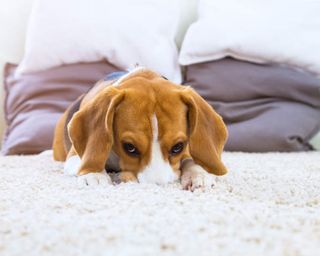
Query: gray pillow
x,y
34,102
266,107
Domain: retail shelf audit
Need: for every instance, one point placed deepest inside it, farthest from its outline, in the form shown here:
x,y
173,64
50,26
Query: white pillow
x,y
188,14
282,31
124,32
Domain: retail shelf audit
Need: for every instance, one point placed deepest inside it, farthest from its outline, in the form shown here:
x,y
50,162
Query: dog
x,y
144,126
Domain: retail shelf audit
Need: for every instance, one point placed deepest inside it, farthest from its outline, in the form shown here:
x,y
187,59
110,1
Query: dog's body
x,y
146,127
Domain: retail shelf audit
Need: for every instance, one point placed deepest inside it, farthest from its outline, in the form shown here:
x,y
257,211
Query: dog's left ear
x,y
208,133
91,130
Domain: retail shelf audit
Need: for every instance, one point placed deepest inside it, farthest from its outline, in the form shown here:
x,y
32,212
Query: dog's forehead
x,y
147,98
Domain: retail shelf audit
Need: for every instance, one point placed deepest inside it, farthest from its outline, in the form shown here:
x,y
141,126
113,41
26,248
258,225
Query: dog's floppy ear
x,y
90,130
208,132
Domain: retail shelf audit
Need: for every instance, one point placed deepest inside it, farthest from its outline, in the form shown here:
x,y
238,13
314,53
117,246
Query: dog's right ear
x,y
90,130
208,133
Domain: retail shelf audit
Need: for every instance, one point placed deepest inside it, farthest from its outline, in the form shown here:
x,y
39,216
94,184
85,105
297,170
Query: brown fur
x,y
109,116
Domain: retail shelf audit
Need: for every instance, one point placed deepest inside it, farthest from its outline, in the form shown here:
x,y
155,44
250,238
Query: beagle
x,y
145,127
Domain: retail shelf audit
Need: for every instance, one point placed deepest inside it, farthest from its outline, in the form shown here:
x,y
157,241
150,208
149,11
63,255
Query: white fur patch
x,y
157,171
94,179
131,72
72,165
195,177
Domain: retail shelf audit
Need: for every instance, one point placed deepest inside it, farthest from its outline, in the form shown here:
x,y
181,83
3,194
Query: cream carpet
x,y
269,204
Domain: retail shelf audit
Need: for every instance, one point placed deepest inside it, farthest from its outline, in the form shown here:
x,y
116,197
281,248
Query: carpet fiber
x,y
268,204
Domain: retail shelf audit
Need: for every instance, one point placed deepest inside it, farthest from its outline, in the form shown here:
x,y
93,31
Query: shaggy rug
x,y
268,204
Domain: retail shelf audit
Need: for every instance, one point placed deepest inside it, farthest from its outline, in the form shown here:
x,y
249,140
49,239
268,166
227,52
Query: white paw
x,y
71,166
197,178
94,179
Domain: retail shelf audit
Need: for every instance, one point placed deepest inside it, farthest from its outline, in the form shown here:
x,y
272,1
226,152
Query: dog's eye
x,y
176,149
131,149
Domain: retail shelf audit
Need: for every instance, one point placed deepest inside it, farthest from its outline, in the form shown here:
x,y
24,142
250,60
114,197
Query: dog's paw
x,y
71,166
197,178
94,179
127,177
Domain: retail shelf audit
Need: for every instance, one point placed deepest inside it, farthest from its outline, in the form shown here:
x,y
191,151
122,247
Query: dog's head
x,y
152,124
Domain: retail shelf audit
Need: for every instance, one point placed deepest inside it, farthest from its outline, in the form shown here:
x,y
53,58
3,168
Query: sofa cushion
x,y
266,107
124,32
285,31
35,101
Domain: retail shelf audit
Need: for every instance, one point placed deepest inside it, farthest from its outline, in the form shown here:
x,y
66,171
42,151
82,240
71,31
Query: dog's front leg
x,y
72,166
195,177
